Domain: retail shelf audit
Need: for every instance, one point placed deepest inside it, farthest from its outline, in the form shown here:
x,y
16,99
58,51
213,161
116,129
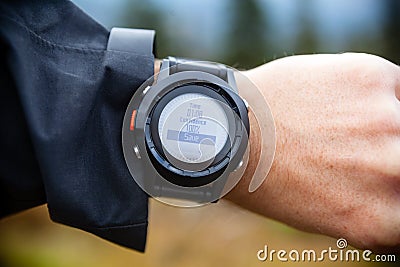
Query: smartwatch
x,y
185,130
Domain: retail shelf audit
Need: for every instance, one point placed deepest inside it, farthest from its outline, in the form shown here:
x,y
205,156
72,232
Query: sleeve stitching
x,y
50,43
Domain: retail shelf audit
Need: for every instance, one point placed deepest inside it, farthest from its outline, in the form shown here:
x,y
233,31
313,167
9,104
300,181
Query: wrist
x,y
255,149
257,201
238,194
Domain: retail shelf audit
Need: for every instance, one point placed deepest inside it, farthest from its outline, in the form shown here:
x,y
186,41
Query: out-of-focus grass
x,y
216,235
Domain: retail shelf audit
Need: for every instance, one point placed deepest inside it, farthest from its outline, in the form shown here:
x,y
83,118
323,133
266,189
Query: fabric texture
x,y
62,102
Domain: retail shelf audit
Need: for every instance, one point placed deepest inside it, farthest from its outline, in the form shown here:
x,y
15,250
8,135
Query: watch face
x,y
193,128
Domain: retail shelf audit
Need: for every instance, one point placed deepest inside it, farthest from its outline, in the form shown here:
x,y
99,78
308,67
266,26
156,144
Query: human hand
x,y
337,164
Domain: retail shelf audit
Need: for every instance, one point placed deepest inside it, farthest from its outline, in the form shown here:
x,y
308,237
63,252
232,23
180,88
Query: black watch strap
x,y
181,64
204,194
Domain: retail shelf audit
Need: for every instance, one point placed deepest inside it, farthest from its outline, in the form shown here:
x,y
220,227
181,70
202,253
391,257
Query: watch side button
x,y
132,122
245,103
146,90
238,166
137,152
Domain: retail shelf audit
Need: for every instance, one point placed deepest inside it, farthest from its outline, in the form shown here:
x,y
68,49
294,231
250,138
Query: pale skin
x,y
336,169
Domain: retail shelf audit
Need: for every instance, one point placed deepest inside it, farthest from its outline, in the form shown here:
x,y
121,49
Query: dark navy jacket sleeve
x,y
62,102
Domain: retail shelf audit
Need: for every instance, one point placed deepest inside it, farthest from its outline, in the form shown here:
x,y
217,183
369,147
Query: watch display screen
x,y
193,127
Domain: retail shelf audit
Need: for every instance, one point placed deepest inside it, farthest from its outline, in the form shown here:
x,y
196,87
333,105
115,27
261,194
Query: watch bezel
x,y
175,174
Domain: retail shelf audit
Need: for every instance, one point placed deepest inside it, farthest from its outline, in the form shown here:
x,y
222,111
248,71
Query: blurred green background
x,y
248,33
241,33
